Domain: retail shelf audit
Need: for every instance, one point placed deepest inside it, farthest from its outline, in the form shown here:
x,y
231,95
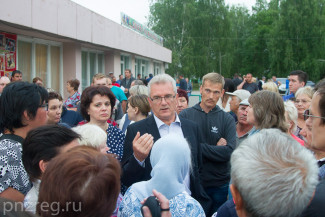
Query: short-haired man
x,y
38,81
277,83
243,128
16,76
182,83
25,109
126,82
3,83
297,79
236,97
272,175
142,134
248,84
219,137
101,79
120,78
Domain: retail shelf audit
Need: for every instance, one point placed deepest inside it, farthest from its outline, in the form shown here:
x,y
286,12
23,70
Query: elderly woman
x,y
74,96
270,86
182,101
97,103
291,115
171,160
302,103
266,110
82,182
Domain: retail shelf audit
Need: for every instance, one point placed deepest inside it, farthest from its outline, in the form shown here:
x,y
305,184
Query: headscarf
x,y
171,161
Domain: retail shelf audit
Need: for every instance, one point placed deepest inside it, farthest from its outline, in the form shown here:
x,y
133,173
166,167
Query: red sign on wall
x,y
8,47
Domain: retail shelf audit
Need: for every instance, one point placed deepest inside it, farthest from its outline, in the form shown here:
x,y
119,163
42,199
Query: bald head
x,y
3,82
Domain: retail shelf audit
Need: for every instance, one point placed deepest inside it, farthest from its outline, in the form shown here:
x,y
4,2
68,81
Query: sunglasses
x,y
307,115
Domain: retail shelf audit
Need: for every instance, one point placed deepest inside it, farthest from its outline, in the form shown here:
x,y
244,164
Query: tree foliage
x,y
273,38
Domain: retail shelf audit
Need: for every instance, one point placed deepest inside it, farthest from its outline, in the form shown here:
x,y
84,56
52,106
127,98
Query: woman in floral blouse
x,y
74,96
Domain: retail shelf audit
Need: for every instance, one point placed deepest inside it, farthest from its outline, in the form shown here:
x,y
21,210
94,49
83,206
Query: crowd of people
x,y
243,150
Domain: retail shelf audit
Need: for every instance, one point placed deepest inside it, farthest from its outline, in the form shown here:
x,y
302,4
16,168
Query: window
x,y
157,68
141,67
41,58
125,62
92,62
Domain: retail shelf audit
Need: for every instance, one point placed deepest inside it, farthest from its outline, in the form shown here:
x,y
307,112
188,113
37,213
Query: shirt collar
x,y
160,122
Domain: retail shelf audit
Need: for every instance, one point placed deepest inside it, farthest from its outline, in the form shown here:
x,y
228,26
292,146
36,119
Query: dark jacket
x,y
127,85
214,125
183,84
133,172
69,117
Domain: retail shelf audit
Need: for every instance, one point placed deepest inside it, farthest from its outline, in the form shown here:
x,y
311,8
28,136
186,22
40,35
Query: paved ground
x,y
194,99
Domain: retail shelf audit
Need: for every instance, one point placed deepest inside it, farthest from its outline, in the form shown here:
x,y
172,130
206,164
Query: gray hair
x,y
138,90
274,174
309,91
292,114
162,78
91,135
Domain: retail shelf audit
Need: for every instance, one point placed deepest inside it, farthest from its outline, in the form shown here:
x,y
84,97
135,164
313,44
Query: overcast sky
x,y
137,9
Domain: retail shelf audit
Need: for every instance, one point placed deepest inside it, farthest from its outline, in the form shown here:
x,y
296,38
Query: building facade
x,y
58,40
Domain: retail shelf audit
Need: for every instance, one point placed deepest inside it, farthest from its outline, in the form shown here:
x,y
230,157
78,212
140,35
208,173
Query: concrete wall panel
x,y
45,15
17,11
67,19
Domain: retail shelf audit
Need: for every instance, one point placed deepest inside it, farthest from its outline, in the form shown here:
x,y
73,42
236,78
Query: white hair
x,y
91,135
292,114
138,90
307,90
161,79
274,174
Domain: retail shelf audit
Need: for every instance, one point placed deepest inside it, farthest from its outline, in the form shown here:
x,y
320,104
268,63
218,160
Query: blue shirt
x,y
287,97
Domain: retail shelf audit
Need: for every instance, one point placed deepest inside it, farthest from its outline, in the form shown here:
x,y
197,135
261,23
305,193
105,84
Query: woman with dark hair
x,y
266,110
97,103
74,96
80,183
182,101
23,107
223,101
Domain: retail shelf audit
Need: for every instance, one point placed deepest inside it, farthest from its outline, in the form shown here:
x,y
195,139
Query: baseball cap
x,y
241,94
244,102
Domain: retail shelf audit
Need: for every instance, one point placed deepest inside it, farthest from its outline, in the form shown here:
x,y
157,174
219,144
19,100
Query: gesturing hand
x,y
142,146
164,205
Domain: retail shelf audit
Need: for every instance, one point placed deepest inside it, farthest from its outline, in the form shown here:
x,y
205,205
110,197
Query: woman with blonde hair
x,y
270,86
291,115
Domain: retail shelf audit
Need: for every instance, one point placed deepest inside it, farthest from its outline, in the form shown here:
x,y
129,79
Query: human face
x,y
248,78
3,83
250,115
17,77
234,104
164,109
306,132
127,74
318,129
39,83
54,111
294,83
99,109
210,92
132,113
181,104
242,115
69,88
302,103
101,82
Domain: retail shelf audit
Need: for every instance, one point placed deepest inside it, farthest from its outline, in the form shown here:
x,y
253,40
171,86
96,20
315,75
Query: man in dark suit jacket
x,y
141,136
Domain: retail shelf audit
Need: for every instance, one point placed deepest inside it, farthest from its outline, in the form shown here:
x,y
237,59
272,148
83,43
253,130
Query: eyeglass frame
x,y
306,116
167,98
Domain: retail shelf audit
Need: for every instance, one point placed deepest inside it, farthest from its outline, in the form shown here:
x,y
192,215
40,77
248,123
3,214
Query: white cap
x,y
244,102
241,94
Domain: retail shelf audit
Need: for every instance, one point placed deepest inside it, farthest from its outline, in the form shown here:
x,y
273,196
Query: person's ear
x,y
42,165
237,198
136,110
222,92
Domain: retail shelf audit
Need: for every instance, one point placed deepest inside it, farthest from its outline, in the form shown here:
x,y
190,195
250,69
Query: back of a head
x,y
229,85
87,132
141,102
85,179
16,98
44,143
274,174
270,86
138,89
268,110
